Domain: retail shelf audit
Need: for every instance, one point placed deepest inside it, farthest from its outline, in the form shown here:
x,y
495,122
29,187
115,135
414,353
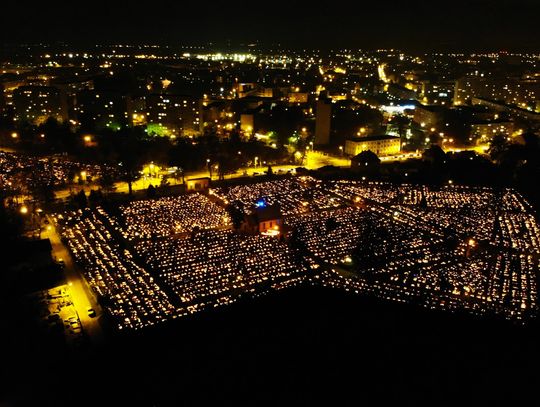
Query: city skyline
x,y
269,203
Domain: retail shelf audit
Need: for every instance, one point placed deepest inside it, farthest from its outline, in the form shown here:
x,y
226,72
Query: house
x,y
198,184
264,219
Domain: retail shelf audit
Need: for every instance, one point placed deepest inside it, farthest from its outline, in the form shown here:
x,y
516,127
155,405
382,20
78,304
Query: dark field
x,y
304,346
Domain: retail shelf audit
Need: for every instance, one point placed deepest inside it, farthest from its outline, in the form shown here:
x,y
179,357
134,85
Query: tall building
x,y
103,109
484,130
428,116
71,87
36,104
323,118
177,114
514,111
520,92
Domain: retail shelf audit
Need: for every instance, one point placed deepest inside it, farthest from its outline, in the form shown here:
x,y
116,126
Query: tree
x,y
131,155
367,159
236,214
179,173
151,191
95,197
400,123
164,182
107,181
497,146
228,163
80,199
43,192
434,154
11,224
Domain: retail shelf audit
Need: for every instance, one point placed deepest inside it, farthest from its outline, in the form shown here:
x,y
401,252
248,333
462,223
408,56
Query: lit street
x,y
80,292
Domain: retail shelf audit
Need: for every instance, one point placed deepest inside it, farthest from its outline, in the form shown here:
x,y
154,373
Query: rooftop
x,y
373,138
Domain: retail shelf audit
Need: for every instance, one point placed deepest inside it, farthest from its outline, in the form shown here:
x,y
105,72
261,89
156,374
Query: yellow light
x,y
14,135
24,210
472,242
87,139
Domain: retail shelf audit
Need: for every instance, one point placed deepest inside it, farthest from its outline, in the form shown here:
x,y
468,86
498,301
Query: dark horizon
x,y
417,26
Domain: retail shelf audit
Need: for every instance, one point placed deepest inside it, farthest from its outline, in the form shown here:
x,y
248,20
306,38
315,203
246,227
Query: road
x,y
81,294
313,160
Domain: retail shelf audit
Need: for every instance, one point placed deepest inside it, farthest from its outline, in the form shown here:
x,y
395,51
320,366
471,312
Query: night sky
x,y
415,25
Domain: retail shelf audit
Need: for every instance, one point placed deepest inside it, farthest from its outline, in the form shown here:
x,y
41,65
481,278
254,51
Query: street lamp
x,y
209,167
24,209
341,150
